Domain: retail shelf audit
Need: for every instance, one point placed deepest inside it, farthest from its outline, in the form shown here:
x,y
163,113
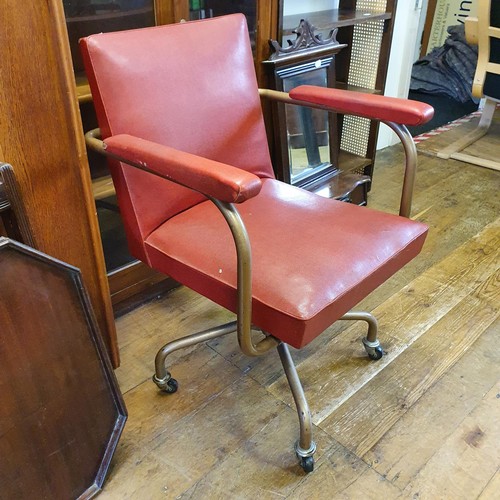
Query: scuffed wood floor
x,y
422,423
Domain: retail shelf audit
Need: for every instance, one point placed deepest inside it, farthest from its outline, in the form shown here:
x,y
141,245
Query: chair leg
x,y
305,446
482,129
162,377
371,343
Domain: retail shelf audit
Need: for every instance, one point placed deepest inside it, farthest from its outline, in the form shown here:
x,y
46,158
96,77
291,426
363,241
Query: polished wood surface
x,y
420,423
134,283
12,210
171,11
62,413
42,138
334,18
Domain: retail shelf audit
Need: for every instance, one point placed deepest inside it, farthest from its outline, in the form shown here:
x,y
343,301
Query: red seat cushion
x,y
313,258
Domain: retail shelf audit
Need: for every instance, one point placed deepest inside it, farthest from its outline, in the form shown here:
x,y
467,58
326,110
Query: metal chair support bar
x,y
364,316
161,372
400,130
244,286
410,166
305,447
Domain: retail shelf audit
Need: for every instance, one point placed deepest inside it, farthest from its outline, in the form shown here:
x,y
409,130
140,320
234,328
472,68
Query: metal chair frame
x,y
305,445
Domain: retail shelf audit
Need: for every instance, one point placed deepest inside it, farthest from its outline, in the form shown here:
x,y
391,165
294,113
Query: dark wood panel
x,y
132,284
62,413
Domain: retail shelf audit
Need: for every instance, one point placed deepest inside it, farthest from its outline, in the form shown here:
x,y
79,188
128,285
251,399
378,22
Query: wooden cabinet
x,y
364,33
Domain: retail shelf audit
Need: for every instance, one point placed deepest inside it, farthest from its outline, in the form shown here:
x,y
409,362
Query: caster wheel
x,y
307,463
171,386
376,353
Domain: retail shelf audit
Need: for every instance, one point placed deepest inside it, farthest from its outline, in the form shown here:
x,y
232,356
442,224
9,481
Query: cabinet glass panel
x,y
201,9
86,17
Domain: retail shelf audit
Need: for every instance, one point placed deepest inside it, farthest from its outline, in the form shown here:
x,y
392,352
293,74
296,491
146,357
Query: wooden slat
x,y
413,440
362,421
344,476
263,466
469,458
491,490
159,449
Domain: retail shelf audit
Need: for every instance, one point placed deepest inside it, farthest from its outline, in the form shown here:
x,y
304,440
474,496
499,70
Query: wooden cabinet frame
x,y
41,136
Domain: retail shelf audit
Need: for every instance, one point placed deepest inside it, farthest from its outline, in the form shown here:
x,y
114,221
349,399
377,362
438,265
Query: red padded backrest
x,y
190,86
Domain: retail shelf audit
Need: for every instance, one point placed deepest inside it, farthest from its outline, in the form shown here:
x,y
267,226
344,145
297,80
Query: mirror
x,y
307,130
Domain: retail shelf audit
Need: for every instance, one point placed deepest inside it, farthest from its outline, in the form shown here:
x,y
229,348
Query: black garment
x,y
447,70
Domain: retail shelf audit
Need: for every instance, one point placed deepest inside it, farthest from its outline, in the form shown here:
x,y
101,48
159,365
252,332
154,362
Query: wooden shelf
x,y
83,89
106,15
103,187
331,19
355,88
349,162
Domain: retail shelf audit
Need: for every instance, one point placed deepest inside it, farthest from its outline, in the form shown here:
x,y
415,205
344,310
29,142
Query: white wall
x,y
292,7
404,51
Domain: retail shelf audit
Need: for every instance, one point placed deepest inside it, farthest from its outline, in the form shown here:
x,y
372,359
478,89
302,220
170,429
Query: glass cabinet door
x,y
86,17
83,18
201,9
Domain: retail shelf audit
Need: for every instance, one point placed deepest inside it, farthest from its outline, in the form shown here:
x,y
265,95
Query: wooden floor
x,y
422,423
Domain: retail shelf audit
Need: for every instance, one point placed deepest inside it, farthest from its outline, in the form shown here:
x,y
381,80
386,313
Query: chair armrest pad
x,y
375,107
211,178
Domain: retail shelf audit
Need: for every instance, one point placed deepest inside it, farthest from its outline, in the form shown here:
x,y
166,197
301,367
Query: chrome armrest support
x,y
244,282
94,142
244,266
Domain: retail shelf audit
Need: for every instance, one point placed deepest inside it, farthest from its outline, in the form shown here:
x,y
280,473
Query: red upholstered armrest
x,y
375,107
211,178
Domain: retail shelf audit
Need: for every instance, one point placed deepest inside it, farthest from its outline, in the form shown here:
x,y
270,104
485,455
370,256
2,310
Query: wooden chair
x,y
179,110
483,31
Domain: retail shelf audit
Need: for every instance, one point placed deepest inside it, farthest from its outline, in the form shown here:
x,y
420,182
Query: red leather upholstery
x,y
217,115
212,178
375,107
313,258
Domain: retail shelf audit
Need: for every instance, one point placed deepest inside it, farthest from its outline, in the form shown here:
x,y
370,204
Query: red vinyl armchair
x,y
179,111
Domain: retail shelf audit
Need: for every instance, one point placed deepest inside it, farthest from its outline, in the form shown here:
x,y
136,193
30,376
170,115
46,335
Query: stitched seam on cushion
x,y
91,59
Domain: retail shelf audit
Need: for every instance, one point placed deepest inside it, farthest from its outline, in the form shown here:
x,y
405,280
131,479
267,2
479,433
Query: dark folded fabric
x,y
447,70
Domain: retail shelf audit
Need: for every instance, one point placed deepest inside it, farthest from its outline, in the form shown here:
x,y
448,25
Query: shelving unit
x,y
365,28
